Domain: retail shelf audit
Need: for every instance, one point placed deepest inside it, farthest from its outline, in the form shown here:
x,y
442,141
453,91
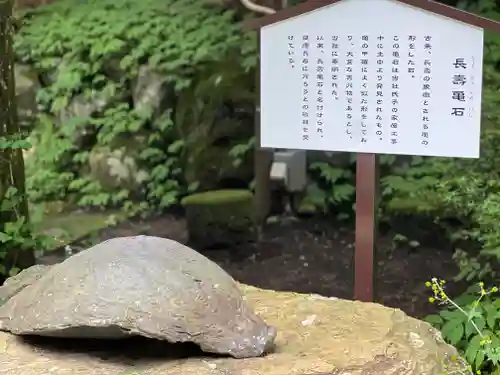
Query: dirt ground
x,y
313,256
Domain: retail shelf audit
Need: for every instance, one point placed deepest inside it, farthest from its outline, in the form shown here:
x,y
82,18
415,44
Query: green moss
x,y
70,226
219,218
411,205
217,197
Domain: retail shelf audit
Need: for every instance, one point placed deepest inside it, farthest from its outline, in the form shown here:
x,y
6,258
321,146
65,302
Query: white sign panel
x,y
373,76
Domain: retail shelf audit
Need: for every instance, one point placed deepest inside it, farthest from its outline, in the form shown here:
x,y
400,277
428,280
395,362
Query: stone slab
x,y
316,335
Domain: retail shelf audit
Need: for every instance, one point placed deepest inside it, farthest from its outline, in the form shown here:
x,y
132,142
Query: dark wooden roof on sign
x,y
429,5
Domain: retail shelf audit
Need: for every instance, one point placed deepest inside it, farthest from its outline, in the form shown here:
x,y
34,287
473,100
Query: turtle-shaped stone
x,y
143,285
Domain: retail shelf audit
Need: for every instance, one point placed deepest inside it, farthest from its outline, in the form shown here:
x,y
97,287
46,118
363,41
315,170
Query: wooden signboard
x,y
400,77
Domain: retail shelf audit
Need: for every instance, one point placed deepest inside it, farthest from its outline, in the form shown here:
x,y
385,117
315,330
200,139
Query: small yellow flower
x,y
428,284
494,289
481,284
483,292
432,300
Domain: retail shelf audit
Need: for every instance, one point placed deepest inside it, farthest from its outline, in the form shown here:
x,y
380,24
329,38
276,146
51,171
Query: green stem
x,y
441,290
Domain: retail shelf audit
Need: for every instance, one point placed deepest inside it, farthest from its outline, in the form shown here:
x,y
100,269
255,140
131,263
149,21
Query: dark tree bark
x,y
11,159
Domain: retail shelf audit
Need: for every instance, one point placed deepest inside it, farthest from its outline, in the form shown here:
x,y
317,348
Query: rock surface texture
x,y
27,84
145,286
315,336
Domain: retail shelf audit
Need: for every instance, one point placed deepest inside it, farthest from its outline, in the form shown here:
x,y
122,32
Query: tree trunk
x,y
11,159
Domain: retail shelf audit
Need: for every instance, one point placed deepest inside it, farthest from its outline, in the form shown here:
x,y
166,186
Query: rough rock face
x,y
151,91
315,336
146,286
78,112
27,84
117,168
15,284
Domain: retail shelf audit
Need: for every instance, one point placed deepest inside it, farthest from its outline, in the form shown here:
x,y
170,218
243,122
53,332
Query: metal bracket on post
x,y
289,167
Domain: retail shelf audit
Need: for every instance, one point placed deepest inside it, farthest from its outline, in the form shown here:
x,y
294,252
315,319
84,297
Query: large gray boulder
x,y
147,286
317,336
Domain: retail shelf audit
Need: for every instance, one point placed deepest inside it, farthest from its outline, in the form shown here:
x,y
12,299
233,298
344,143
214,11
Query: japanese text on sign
x,y
400,88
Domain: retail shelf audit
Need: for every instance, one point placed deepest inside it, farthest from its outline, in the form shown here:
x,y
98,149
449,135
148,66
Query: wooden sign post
x,y
400,77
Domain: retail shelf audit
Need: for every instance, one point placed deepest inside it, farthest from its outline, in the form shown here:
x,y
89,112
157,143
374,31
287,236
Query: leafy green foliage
x,y
240,151
471,324
330,187
16,142
19,232
94,50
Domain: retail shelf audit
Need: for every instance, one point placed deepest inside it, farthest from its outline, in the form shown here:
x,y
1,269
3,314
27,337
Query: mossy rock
x,y
219,218
210,175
